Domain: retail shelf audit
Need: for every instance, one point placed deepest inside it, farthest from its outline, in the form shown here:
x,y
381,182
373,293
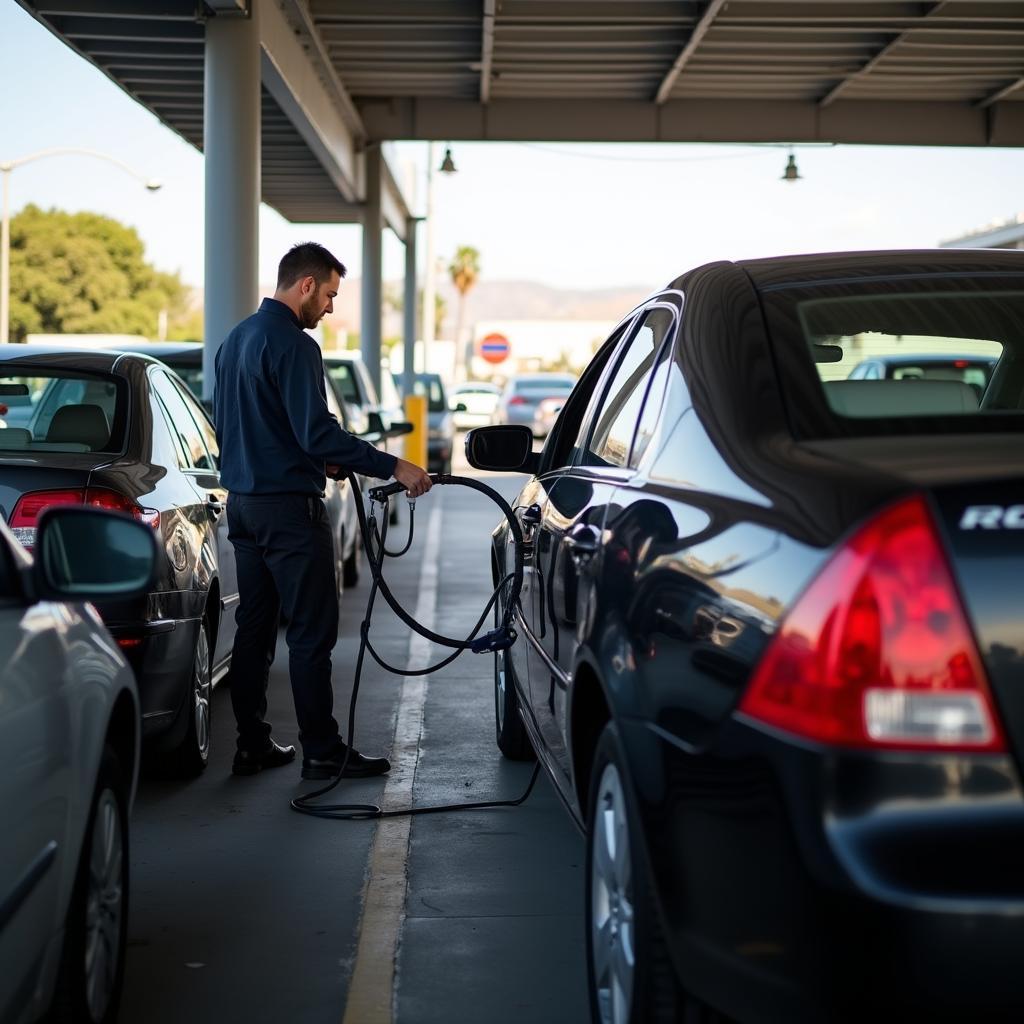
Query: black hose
x,y
499,638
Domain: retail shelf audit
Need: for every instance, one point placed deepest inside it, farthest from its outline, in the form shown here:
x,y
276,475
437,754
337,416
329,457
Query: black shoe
x,y
248,762
358,767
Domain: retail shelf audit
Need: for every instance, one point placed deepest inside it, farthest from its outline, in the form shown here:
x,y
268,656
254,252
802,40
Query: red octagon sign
x,y
494,348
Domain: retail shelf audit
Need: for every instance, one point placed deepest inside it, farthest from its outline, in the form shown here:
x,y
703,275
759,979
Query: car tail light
x,y
31,505
877,652
100,497
517,400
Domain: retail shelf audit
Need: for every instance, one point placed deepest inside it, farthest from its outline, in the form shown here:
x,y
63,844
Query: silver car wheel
x,y
201,694
612,920
104,905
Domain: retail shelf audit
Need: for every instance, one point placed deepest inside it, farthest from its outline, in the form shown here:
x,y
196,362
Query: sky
x,y
566,215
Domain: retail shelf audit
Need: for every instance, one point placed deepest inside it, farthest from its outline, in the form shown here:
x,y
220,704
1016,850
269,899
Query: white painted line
x,y
371,990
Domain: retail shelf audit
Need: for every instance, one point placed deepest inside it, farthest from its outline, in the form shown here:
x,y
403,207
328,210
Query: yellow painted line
x,y
371,991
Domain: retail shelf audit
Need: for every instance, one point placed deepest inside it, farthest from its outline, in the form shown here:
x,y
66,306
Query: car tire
x,y
510,732
351,566
193,753
630,978
91,973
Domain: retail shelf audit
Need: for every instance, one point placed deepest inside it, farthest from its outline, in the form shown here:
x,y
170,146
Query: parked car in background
x,y
186,359
69,756
440,422
478,400
770,645
354,387
122,432
971,369
524,392
546,413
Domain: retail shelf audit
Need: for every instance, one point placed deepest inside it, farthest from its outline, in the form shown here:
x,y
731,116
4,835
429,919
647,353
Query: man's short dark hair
x,y
307,259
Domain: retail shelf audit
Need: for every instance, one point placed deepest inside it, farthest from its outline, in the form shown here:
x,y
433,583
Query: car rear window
x,y
932,354
44,409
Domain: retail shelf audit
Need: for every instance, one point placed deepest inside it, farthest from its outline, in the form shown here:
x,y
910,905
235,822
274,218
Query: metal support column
x,y
370,316
409,308
231,147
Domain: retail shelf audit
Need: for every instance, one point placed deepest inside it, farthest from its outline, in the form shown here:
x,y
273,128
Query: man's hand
x,y
415,480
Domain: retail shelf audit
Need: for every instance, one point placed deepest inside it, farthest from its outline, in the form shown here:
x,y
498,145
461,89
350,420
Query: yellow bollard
x,y
416,441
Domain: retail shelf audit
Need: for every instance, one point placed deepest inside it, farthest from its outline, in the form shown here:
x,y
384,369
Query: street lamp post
x,y
5,227
430,269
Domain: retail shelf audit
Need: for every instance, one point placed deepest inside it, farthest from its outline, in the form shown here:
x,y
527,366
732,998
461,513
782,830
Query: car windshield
x,y
43,409
344,381
432,388
932,354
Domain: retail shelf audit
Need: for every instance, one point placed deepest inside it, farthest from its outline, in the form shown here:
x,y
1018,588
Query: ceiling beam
x,y
833,94
347,107
291,79
1002,93
699,31
907,122
487,49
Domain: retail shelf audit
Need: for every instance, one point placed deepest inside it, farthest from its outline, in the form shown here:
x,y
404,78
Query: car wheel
x,y
192,755
92,961
629,973
351,566
513,739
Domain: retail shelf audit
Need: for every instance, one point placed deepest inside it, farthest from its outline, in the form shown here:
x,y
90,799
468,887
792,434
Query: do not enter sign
x,y
494,348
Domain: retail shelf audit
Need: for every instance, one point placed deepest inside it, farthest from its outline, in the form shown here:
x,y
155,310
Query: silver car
x,y
525,392
69,750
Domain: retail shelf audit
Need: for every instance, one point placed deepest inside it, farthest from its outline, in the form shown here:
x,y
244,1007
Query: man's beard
x,y
311,312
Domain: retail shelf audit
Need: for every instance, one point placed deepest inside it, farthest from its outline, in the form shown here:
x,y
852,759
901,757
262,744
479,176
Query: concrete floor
x,y
243,910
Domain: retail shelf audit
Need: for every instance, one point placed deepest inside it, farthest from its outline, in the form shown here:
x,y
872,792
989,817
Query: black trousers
x,y
285,558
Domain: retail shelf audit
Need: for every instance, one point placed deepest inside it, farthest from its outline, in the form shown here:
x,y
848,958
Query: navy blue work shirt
x,y
275,431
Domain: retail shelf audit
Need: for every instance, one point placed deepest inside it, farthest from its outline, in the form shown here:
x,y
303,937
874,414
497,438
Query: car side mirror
x,y
86,554
461,407
398,428
502,449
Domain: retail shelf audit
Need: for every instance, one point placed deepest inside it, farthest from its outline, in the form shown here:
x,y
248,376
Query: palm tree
x,y
464,270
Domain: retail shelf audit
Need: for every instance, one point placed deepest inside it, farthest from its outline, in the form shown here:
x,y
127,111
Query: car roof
x,y
54,355
161,349
791,271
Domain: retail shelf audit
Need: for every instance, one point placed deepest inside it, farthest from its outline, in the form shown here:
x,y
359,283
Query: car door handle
x,y
582,543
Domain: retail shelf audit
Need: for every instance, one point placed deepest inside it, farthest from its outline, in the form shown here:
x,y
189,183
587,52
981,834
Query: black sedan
x,y
122,432
771,647
185,358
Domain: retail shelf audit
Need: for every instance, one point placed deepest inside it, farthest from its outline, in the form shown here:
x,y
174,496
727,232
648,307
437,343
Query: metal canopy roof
x,y
866,71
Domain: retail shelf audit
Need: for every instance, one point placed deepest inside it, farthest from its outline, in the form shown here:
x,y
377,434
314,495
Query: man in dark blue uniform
x,y
277,441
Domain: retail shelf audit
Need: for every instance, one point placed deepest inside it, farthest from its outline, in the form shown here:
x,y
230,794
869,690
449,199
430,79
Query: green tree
x,y
464,270
82,273
440,311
